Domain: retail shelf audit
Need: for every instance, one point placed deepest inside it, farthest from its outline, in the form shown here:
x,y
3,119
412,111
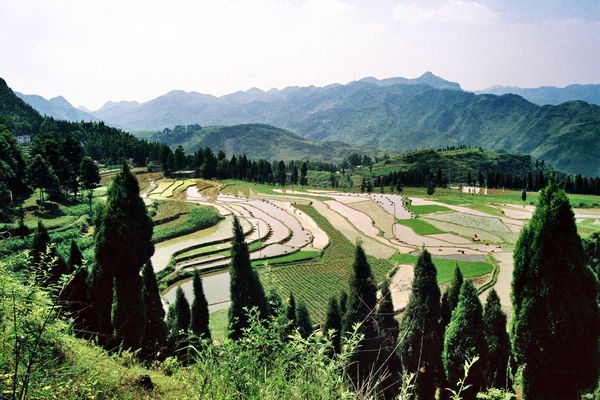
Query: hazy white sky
x,y
94,51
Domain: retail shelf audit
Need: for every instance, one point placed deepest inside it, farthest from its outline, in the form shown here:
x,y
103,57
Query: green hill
x,y
257,141
457,163
17,115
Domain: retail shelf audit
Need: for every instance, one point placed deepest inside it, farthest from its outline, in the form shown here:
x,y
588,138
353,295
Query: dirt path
x,y
503,284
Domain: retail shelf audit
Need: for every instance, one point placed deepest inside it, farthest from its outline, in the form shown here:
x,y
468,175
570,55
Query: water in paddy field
x,y
216,290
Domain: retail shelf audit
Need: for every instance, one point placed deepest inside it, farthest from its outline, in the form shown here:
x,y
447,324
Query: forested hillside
x,y
258,141
390,115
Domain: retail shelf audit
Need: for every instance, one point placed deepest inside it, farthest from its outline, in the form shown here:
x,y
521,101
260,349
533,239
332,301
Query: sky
x,y
94,51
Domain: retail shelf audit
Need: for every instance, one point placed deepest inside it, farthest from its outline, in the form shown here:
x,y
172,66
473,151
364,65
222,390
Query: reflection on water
x,y
216,290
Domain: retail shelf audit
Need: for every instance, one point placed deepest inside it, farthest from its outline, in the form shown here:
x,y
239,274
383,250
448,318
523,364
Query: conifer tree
x,y
420,338
290,313
74,298
40,242
155,332
555,326
75,257
450,297
182,315
498,343
343,304
123,246
303,172
274,302
362,300
388,333
303,319
333,322
463,340
245,288
294,175
200,315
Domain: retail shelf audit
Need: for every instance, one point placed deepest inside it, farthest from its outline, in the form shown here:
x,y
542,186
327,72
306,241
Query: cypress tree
x,y
171,317
463,340
361,309
420,339
388,332
200,315
343,304
75,257
303,319
40,242
245,288
74,298
498,343
123,246
182,316
155,332
555,326
290,313
450,297
333,321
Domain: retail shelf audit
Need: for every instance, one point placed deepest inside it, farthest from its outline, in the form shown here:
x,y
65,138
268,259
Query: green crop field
x,y
427,209
445,267
419,226
301,255
317,280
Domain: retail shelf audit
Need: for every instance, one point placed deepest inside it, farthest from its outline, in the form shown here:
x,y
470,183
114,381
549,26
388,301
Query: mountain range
x,y
551,94
56,107
396,113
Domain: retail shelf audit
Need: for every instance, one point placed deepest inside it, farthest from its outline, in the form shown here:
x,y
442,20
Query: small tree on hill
x,y
555,323
303,319
388,333
465,339
498,343
420,338
333,322
524,196
182,316
200,315
245,288
40,242
41,175
89,176
155,332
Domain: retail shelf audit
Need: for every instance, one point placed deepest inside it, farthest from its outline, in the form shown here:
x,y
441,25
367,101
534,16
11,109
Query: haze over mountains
x,y
56,107
551,94
394,113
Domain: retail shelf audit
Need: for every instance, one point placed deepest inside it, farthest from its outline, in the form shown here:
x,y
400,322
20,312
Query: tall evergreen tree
x,y
125,218
343,304
465,339
388,332
294,175
555,326
245,288
199,319
333,322
420,338
303,174
75,257
362,300
303,319
498,342
40,242
155,332
182,315
450,297
290,313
